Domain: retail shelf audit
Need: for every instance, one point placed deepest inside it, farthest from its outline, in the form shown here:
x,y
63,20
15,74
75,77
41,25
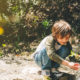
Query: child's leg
x,y
44,62
41,58
56,75
66,76
64,51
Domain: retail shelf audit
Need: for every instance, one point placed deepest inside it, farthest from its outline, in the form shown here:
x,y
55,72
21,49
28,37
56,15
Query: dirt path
x,y
20,68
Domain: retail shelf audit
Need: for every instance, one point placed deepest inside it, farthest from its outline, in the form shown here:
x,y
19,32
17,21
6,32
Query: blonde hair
x,y
62,28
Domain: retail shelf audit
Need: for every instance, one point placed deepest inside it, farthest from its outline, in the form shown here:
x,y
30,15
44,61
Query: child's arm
x,y
49,44
54,57
72,65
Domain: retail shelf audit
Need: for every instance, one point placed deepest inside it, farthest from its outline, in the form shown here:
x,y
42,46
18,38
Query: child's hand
x,y
74,66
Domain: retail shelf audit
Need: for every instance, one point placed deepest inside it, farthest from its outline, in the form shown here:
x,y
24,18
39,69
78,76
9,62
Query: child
x,y
52,51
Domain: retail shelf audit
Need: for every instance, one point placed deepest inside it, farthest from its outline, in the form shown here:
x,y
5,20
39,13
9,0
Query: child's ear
x,y
53,34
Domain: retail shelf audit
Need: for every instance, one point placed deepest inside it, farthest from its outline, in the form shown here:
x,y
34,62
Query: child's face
x,y
63,40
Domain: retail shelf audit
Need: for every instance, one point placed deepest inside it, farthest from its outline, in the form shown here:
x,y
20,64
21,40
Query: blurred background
x,y
23,23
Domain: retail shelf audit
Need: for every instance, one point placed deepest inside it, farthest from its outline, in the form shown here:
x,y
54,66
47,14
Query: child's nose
x,y
65,40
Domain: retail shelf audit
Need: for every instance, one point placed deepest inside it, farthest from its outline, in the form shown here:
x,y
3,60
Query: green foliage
x,y
46,24
75,57
3,6
1,52
28,19
73,53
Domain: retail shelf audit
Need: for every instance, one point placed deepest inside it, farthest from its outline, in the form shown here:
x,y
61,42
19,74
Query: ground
x,y
21,68
18,68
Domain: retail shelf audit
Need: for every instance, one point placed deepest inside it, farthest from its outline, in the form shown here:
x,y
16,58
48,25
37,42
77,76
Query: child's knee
x,y
37,59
